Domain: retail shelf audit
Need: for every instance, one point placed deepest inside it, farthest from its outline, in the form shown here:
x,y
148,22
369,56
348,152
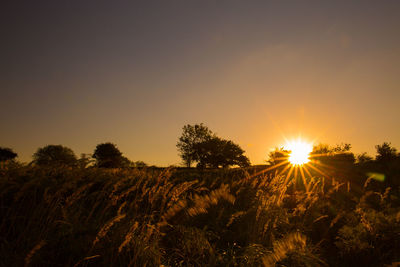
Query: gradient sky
x,y
79,73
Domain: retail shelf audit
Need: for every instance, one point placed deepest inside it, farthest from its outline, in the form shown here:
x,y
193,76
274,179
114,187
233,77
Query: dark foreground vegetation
x,y
104,210
75,216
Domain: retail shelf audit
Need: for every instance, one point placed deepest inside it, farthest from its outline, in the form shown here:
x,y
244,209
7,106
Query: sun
x,y
299,151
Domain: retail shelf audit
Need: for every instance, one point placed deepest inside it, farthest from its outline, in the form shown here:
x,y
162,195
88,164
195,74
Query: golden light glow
x,y
299,151
295,159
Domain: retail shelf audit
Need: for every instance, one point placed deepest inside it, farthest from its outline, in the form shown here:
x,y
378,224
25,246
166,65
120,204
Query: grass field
x,y
187,217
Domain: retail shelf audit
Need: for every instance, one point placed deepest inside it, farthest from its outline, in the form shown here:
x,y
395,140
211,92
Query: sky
x,y
80,73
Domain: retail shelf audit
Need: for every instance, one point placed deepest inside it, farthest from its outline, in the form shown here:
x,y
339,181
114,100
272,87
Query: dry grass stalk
x,y
180,189
202,203
77,194
234,217
288,244
104,230
128,237
85,259
31,253
175,209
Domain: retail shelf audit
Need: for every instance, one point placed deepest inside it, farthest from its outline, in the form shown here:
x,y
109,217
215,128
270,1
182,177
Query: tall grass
x,y
147,217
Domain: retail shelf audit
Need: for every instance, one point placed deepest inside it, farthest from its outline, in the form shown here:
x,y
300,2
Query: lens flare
x,y
299,151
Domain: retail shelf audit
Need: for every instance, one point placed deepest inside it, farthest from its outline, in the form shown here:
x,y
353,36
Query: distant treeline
x,y
199,145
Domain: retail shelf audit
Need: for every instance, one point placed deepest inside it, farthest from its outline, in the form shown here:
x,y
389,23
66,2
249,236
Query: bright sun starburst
x,y
294,159
299,151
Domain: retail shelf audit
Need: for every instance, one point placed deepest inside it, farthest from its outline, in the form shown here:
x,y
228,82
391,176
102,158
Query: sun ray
x,y
320,155
303,178
289,173
282,158
307,171
296,160
317,170
285,169
326,166
276,166
269,169
296,169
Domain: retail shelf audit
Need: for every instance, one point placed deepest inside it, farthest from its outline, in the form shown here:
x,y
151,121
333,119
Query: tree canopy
x,y
54,155
385,152
217,152
7,154
191,136
107,155
339,156
277,156
199,144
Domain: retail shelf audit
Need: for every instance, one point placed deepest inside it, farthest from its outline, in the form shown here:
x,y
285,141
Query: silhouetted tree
x,y
107,155
207,153
277,156
139,164
363,158
55,155
7,154
339,155
191,136
388,163
326,150
335,161
216,152
385,153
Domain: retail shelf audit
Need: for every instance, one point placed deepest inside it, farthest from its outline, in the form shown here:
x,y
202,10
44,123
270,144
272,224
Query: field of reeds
x,y
172,217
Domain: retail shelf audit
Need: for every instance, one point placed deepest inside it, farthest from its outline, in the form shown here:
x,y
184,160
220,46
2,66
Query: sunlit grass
x,y
221,218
